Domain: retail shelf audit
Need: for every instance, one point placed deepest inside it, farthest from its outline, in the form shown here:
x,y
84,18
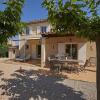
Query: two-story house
x,y
39,42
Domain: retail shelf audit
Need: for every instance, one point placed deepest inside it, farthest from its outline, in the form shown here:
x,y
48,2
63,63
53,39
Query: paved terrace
x,y
34,83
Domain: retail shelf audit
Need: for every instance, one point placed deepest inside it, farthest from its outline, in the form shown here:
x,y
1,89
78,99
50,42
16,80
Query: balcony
x,y
31,36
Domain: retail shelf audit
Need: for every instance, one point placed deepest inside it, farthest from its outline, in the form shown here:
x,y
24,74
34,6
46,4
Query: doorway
x,y
38,51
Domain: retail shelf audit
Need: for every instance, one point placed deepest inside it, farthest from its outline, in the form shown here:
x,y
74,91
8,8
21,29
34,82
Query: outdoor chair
x,y
82,67
70,68
66,67
92,62
23,58
55,65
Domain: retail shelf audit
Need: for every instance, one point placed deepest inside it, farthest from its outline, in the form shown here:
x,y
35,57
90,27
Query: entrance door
x,y
38,51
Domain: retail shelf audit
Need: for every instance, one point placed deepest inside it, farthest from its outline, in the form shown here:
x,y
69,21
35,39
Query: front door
x,y
38,51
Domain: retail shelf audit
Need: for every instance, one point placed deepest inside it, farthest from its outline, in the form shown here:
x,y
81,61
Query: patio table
x,y
71,62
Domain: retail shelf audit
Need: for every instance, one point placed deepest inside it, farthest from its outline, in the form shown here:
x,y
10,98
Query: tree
x,y
10,19
3,50
71,17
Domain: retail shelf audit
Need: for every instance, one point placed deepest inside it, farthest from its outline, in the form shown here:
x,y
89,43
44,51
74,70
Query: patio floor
x,y
35,83
89,75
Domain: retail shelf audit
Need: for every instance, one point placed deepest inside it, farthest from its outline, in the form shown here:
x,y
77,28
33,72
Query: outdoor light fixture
x,y
70,40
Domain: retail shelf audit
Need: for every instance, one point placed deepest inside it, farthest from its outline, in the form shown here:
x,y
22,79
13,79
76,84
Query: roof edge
x,y
37,21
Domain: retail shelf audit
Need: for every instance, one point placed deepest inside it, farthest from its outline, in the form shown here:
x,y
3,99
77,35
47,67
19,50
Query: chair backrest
x,y
92,61
82,67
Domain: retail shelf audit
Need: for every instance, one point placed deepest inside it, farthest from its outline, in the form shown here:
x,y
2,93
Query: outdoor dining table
x,y
70,62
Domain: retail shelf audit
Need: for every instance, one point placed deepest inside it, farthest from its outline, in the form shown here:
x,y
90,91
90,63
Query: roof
x,y
37,21
52,34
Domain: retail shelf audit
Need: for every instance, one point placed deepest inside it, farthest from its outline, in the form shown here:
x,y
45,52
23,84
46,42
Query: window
x,y
71,51
27,30
44,29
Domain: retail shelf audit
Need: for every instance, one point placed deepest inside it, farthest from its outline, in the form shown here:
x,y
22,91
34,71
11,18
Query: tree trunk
x,y
98,67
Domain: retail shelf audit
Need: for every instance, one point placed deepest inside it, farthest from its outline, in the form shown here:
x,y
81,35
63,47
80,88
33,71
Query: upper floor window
x,y
27,30
43,29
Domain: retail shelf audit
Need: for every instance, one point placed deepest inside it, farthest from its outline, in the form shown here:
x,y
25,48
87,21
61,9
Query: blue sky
x,y
32,10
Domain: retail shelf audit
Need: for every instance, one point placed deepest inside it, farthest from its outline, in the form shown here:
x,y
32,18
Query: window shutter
x,y
30,30
82,52
48,28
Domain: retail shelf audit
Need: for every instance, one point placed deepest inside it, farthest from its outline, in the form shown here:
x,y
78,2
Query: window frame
x,y
43,29
27,30
71,48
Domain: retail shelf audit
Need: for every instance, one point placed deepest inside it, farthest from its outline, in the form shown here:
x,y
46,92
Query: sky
x,y
33,10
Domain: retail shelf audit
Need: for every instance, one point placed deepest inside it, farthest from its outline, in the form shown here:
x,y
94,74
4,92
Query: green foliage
x,y
10,19
70,18
65,17
3,50
92,29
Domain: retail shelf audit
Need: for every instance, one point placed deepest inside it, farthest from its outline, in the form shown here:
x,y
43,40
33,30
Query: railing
x,y
32,36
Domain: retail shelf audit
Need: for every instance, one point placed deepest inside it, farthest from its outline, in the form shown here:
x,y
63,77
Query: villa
x,y
39,42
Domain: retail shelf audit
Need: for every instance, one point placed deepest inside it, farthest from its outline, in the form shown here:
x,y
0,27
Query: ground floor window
x,y
71,51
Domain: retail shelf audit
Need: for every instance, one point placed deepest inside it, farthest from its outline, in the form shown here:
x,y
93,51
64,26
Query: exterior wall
x,y
34,30
91,49
52,43
85,49
34,35
82,52
11,43
13,53
33,44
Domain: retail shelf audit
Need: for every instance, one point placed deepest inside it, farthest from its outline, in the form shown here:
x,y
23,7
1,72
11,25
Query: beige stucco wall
x,y
22,49
35,35
91,49
52,46
52,43
33,44
13,53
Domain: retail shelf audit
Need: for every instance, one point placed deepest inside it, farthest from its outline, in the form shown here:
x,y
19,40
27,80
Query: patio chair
x,y
55,65
82,67
92,62
23,58
64,67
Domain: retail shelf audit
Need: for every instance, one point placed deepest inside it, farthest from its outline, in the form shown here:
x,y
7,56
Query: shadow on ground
x,y
33,85
1,73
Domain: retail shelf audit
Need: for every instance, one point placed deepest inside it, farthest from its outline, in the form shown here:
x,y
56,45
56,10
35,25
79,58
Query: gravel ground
x,y
30,84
